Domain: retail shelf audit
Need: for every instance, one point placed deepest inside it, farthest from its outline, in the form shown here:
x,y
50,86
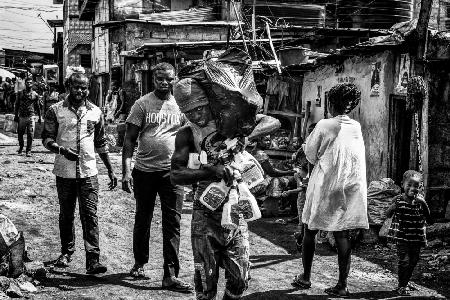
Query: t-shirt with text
x,y
159,121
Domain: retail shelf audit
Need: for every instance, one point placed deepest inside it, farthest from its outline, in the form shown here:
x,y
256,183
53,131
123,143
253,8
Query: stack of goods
x,y
231,89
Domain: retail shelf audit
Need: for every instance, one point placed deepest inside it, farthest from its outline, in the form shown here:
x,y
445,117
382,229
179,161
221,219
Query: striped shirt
x,y
408,223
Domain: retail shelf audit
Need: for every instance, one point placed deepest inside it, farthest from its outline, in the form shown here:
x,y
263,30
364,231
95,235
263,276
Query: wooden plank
x,y
285,113
305,123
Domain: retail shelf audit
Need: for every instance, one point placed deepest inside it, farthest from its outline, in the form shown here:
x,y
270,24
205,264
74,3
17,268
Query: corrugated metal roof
x,y
191,15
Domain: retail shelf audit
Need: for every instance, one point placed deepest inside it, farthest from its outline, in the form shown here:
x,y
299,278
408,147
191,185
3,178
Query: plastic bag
x,y
231,89
8,232
380,194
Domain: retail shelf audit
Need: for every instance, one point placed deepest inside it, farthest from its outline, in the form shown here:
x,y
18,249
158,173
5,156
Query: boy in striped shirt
x,y
408,229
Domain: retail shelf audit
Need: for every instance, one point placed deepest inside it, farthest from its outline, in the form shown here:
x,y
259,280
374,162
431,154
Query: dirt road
x,y
28,197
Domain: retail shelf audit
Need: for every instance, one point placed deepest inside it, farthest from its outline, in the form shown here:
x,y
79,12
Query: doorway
x,y
400,126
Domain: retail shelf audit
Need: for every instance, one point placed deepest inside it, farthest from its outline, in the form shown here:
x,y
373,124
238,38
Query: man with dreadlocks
x,y
336,197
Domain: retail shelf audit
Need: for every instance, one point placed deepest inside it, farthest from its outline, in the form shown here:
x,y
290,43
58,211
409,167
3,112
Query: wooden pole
x,y
273,48
419,70
305,123
254,22
240,25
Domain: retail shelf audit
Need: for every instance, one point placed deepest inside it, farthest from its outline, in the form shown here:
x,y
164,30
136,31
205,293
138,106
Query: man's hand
x,y
218,171
16,119
285,194
69,154
113,183
127,183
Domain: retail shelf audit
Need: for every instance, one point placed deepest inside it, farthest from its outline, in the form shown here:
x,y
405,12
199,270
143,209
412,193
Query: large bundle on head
x,y
231,89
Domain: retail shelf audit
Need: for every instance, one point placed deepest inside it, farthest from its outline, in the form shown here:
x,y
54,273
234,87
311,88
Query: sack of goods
x,y
380,195
231,89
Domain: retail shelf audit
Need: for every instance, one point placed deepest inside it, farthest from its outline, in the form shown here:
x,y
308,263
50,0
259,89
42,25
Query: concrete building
x,y
77,37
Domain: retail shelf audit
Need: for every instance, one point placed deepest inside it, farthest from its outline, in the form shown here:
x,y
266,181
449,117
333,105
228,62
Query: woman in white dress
x,y
336,198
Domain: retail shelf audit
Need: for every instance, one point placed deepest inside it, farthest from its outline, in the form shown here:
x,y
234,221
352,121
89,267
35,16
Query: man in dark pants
x,y
73,129
27,102
155,119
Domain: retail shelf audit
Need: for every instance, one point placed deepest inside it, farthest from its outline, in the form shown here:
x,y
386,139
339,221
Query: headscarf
x,y
189,94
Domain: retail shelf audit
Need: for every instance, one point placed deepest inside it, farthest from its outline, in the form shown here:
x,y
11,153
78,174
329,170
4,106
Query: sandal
x,y
402,291
177,285
137,272
336,292
301,283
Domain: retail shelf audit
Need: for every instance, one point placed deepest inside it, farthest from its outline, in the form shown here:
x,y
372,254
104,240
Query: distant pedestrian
x,y
74,130
8,91
336,197
27,103
19,84
154,120
408,229
114,103
51,96
2,95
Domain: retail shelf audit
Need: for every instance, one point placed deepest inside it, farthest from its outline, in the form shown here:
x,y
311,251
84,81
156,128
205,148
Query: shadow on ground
x,y
69,281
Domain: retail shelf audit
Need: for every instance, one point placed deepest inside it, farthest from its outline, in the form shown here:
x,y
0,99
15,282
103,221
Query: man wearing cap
x,y
212,245
153,122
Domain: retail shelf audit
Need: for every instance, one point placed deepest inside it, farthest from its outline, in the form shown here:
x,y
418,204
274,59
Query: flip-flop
x,y
299,282
334,291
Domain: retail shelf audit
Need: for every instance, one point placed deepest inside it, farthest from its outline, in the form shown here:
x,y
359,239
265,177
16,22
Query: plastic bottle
x,y
251,171
213,196
230,216
247,204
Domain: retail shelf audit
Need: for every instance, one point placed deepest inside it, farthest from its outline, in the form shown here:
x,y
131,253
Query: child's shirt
x,y
408,223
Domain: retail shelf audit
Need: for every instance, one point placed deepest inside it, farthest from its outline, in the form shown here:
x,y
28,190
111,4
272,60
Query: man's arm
x,y
49,134
101,146
131,135
265,125
38,107
179,173
270,170
17,104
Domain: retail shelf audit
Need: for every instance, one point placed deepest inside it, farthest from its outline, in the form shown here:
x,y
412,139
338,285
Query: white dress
x,y
336,198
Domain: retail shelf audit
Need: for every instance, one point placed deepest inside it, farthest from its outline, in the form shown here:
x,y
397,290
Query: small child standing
x,y
408,227
301,178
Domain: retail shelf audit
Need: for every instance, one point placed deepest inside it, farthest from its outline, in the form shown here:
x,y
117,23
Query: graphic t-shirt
x,y
159,121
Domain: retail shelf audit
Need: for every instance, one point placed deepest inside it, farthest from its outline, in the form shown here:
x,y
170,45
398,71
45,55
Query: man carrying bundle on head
x,y
211,247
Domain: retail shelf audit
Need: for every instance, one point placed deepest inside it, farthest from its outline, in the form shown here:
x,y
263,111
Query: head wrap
x,y
345,97
189,94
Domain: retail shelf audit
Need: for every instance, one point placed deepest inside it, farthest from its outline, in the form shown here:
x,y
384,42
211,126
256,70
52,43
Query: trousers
x,y
86,190
26,124
214,247
408,257
146,186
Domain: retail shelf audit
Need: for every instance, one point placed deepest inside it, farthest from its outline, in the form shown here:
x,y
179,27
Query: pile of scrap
x,y
18,274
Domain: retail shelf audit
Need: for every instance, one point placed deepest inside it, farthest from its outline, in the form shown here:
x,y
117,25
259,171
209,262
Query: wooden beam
x,y
305,123
419,70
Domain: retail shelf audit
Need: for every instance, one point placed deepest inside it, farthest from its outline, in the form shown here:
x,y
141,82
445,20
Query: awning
x,y
170,45
5,73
